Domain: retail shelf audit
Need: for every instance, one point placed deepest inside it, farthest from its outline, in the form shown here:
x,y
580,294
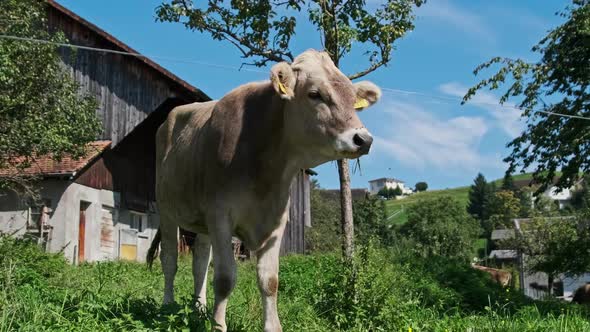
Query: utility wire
x,y
203,63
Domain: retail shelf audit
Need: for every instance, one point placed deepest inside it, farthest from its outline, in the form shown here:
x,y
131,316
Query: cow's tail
x,y
153,250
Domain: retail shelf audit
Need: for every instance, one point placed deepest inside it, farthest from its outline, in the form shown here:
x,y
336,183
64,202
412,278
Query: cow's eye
x,y
315,95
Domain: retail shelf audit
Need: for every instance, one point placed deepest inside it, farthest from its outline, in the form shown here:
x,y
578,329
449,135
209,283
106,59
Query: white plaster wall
x,y
13,215
65,199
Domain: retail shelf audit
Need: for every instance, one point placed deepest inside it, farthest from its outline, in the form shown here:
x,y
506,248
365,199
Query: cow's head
x,y
320,112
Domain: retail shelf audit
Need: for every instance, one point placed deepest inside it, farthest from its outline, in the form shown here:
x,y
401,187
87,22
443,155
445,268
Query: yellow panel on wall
x,y
129,252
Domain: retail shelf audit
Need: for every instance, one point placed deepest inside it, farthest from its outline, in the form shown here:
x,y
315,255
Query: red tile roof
x,y
45,165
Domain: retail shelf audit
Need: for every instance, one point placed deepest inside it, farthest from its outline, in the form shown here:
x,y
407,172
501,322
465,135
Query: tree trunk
x,y
346,210
550,284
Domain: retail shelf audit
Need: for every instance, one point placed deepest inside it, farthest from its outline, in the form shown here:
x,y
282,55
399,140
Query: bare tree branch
x,y
372,68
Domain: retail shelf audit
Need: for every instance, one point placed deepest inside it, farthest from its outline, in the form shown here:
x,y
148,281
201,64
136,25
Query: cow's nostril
x,y
358,140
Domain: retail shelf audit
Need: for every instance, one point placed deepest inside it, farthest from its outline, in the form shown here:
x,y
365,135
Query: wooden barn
x,y
103,206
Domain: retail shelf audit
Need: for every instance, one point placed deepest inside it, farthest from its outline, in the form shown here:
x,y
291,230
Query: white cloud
x,y
420,139
507,116
462,19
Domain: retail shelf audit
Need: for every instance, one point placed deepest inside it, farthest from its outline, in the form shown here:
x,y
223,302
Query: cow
x,y
499,276
582,295
224,168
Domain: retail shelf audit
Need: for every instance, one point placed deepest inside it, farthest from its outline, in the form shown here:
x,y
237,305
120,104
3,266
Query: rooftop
x,y
387,179
47,166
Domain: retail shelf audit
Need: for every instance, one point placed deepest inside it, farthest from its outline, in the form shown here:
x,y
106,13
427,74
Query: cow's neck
x,y
279,161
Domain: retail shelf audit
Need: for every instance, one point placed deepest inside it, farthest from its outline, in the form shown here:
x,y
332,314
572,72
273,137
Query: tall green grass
x,y
385,290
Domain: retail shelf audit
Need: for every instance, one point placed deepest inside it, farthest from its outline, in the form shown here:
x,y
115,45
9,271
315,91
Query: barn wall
x,y
294,235
126,89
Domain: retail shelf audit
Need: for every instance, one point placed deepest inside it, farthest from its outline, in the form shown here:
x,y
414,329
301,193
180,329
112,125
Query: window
x,y
39,213
138,221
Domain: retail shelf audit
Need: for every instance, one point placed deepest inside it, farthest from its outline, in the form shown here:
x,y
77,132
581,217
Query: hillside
x,y
396,208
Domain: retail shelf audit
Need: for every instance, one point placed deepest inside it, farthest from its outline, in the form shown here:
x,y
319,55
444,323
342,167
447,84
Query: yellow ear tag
x,y
282,88
361,103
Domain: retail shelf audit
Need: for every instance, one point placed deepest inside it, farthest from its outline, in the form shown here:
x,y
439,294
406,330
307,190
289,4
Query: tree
x,y
369,215
559,83
421,186
325,234
479,196
502,209
441,227
397,191
263,30
508,183
41,110
553,246
581,196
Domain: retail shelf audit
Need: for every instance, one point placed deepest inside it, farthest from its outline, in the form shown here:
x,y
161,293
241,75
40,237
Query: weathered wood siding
x,y
127,88
299,216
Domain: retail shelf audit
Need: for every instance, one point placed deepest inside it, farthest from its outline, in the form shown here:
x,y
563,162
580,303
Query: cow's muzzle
x,y
354,143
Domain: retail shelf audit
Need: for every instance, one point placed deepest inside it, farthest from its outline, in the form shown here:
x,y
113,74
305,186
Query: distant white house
x,y
378,184
561,198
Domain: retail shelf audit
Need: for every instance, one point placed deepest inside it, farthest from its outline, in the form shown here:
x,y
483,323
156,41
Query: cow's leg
x,y
267,268
169,258
224,264
201,260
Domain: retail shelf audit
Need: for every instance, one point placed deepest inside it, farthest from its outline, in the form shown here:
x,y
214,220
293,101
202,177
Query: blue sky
x,y
425,136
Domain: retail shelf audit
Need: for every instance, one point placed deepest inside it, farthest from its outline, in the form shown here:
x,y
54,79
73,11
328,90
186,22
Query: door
x,y
82,231
107,241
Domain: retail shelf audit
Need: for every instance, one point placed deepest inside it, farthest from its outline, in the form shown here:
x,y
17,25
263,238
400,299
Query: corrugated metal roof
x,y
501,234
503,254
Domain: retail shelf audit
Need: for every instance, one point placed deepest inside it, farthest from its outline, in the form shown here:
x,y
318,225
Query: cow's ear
x,y
283,80
367,94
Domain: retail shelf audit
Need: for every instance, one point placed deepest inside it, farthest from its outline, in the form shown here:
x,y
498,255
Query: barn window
x,y
39,211
138,221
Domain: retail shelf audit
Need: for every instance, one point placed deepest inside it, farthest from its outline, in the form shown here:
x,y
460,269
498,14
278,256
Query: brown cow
x,y
582,295
500,276
224,168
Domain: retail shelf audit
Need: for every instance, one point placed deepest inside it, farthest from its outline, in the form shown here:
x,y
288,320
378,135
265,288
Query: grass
x,y
389,290
395,209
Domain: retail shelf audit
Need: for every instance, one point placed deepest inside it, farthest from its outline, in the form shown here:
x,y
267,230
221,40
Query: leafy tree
x,y
41,110
324,235
263,30
370,216
397,191
553,246
421,186
480,194
503,207
508,183
558,83
441,227
384,192
581,196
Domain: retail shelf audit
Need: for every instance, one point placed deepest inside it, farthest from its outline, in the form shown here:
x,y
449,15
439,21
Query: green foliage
x,y
555,245
325,233
263,30
41,110
503,207
369,217
559,82
480,194
387,290
441,227
421,186
390,192
581,195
